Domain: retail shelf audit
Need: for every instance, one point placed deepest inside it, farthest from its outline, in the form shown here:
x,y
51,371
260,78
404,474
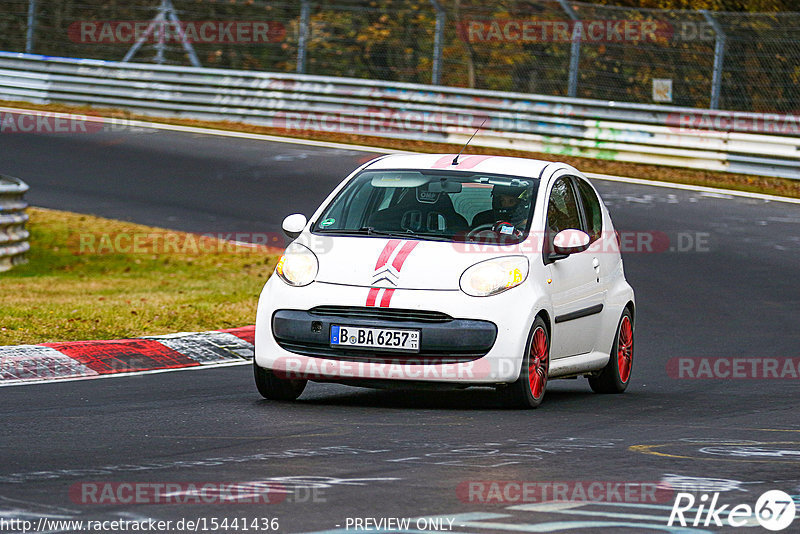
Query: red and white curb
x,y
28,364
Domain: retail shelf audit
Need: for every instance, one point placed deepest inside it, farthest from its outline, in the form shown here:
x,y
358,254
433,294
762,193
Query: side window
x,y
593,215
562,208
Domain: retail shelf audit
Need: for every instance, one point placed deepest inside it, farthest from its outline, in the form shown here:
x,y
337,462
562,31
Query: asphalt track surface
x,y
343,452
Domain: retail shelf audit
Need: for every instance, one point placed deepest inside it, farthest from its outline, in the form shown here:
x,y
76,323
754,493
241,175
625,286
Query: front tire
x,y
273,388
528,390
616,375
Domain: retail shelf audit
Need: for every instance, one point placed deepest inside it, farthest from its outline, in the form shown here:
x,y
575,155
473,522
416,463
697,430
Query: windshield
x,y
435,205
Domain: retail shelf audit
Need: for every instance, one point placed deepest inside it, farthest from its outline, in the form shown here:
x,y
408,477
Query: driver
x,y
509,213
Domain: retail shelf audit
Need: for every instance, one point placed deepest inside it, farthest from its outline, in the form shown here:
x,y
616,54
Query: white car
x,y
435,270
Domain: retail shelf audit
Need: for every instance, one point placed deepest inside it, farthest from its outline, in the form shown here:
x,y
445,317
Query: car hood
x,y
397,263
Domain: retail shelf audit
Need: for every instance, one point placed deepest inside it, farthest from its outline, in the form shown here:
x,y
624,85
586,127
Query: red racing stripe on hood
x,y
407,249
372,296
387,297
383,259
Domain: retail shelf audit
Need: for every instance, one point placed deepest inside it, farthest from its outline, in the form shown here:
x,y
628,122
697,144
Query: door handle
x,y
596,264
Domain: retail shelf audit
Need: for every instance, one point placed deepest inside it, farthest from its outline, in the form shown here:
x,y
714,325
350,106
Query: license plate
x,y
375,338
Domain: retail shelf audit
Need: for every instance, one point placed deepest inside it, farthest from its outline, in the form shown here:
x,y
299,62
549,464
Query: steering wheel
x,y
486,227
494,228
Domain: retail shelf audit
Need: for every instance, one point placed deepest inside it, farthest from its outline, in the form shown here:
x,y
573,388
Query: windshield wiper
x,y
408,234
368,230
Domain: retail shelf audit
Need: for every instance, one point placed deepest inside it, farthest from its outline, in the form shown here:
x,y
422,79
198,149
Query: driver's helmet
x,y
516,211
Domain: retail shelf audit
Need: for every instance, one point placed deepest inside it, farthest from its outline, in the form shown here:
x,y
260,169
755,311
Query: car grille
x,y
385,314
443,339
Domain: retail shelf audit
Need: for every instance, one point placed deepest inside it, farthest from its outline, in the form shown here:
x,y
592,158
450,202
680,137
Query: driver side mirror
x,y
569,241
293,225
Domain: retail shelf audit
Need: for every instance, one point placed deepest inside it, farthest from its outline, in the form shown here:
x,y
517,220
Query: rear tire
x,y
528,390
274,388
616,375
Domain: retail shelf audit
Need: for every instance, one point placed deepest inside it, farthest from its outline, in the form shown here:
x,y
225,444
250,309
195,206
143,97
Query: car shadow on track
x,y
466,399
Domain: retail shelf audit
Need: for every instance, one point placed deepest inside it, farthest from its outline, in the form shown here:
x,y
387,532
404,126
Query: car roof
x,y
467,162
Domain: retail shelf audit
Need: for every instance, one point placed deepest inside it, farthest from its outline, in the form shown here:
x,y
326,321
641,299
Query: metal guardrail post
x,y
719,56
166,11
302,38
31,26
13,235
574,49
187,45
438,41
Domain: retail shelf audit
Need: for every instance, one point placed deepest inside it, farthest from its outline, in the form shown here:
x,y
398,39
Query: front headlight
x,y
494,276
298,266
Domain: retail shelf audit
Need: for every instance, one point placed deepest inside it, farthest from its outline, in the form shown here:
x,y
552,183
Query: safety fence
x,y
13,235
740,142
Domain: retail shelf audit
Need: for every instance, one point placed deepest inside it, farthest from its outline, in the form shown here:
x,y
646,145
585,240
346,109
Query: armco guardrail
x,y
13,235
749,143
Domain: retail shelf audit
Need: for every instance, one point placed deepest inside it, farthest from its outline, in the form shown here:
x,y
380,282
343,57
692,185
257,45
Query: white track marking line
x,y
205,131
10,383
724,193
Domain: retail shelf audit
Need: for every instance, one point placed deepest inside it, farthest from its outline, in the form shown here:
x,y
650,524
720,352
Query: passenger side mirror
x,y
293,225
569,241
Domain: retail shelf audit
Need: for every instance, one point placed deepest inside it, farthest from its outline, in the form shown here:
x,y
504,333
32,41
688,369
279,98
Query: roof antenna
x,y
455,159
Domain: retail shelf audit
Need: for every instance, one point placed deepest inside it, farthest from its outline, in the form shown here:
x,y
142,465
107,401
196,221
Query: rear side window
x,y
591,210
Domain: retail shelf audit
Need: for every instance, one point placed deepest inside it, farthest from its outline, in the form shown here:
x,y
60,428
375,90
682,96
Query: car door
x,y
575,288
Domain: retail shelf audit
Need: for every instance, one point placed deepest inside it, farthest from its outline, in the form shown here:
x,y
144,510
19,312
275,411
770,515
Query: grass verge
x,y
741,182
95,278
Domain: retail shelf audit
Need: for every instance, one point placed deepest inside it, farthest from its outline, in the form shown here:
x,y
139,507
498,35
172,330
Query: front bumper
x,y
486,347
443,339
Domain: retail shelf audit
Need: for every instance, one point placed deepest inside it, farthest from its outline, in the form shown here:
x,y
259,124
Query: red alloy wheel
x,y
625,349
538,363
